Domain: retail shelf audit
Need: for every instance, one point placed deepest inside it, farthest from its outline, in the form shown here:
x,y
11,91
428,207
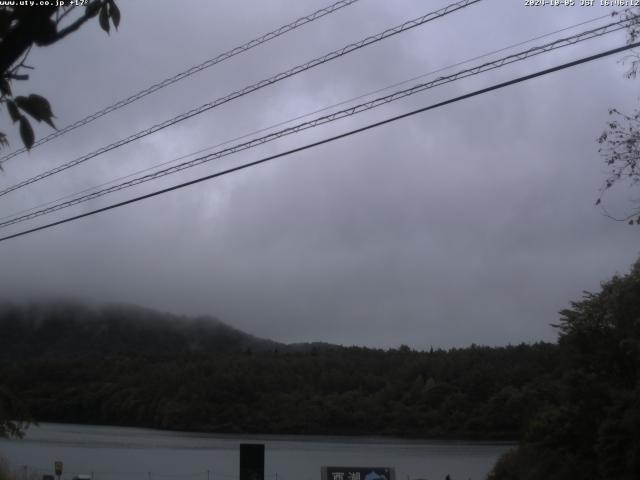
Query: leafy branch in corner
x,y
620,142
620,146
22,27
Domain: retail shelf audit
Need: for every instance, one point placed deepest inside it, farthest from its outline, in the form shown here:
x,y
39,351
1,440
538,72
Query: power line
x,y
332,117
187,73
330,139
299,117
256,86
516,57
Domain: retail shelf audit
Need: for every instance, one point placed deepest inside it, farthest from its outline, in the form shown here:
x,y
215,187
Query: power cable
x,y
187,73
299,117
256,86
330,139
520,56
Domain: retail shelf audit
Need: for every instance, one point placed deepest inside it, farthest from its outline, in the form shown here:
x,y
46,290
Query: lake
x,y
112,453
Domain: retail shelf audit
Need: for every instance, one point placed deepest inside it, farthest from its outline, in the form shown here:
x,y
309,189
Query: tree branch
x,y
90,11
28,30
64,14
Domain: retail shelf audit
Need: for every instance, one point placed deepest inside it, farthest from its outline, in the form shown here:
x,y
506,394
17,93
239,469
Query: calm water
x,y
138,454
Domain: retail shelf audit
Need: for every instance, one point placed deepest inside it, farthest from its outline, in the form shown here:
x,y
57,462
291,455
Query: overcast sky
x,y
472,223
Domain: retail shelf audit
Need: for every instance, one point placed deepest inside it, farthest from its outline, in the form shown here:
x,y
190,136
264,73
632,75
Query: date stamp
x,y
582,3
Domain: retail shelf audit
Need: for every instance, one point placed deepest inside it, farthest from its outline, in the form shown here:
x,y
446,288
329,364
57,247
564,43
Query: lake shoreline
x,y
355,437
117,453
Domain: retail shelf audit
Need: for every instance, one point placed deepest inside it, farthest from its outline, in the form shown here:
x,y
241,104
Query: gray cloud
x,y
471,223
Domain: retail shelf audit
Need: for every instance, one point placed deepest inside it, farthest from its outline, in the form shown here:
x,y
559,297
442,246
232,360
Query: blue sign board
x,y
358,473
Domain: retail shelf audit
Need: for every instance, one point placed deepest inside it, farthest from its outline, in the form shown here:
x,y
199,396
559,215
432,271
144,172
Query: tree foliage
x,y
590,430
22,27
128,366
465,393
620,141
14,418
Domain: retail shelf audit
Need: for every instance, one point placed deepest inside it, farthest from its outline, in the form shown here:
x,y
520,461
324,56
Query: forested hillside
x,y
125,365
476,392
70,329
574,405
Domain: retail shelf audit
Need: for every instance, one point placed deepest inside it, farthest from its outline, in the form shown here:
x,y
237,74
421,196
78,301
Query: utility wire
x,y
251,88
330,139
299,117
187,73
516,57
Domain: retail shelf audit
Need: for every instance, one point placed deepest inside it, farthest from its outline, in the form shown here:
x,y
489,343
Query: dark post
x,y
251,461
57,466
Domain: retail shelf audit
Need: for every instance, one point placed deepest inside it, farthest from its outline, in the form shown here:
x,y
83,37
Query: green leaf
x,y
38,107
42,108
26,133
92,9
114,13
104,18
23,103
13,111
41,104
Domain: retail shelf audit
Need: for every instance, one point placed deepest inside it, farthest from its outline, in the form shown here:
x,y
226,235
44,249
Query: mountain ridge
x,y
67,328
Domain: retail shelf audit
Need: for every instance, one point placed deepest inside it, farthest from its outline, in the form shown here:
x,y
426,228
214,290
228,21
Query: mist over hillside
x,y
70,362
70,329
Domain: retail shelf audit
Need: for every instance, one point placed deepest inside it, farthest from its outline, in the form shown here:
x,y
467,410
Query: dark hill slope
x,y
68,329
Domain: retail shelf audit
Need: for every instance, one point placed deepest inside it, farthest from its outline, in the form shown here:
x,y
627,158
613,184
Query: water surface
x,y
118,453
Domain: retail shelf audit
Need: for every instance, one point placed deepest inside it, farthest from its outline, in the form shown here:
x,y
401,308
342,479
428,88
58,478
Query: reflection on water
x,y
112,453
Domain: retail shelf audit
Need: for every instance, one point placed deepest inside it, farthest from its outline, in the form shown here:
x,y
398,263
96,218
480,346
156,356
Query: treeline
x,y
574,405
475,392
590,428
